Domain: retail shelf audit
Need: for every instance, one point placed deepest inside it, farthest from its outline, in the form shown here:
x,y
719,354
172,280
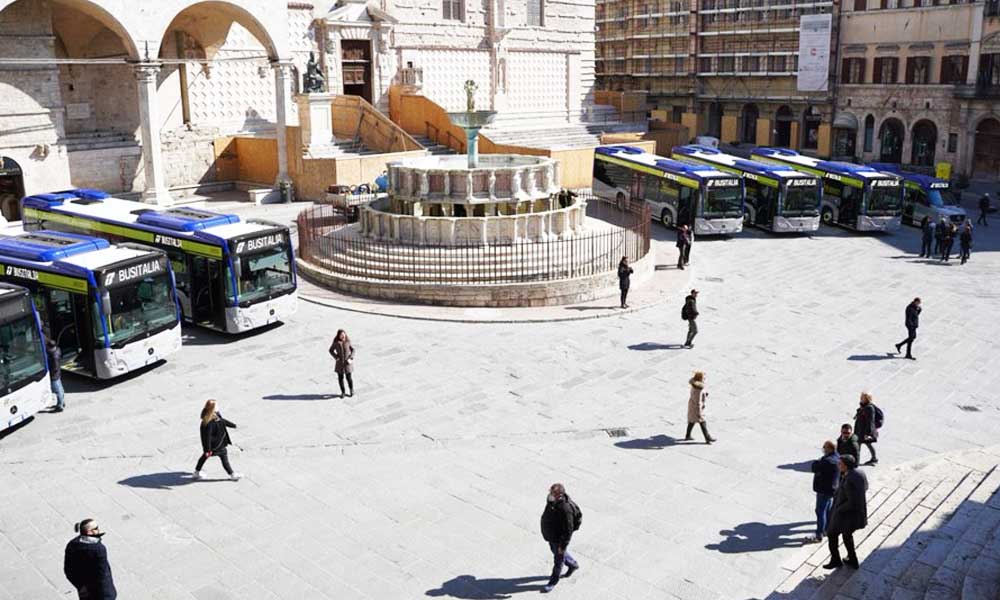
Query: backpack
x,y
879,417
577,514
686,312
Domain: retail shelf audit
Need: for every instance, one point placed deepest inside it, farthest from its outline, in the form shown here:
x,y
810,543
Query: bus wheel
x,y
620,201
666,218
827,216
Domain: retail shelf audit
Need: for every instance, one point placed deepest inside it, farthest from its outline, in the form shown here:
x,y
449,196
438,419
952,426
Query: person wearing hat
x,y
690,314
984,207
849,513
85,563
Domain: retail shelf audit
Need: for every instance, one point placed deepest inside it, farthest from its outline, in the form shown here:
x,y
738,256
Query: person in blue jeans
x,y
826,476
55,373
558,524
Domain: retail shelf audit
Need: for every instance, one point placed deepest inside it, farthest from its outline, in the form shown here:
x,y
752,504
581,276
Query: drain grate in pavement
x,y
617,432
968,408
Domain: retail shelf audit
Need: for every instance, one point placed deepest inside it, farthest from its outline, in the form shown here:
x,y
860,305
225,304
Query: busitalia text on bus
x,y
702,197
24,373
778,198
232,275
112,309
854,196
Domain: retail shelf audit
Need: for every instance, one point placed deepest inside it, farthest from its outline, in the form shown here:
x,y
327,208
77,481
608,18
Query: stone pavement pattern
x,y
430,481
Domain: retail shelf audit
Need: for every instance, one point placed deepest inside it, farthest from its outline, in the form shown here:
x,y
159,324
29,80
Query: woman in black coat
x,y
624,272
864,426
849,513
214,440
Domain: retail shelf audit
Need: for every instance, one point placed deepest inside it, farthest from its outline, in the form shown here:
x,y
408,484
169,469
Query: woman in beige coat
x,y
696,407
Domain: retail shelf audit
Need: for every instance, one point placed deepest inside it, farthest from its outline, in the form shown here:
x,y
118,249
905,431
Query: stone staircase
x,y
578,135
931,535
433,147
98,140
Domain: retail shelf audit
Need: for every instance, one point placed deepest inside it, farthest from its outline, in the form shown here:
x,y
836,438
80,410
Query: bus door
x,y
64,316
850,204
687,201
208,306
915,204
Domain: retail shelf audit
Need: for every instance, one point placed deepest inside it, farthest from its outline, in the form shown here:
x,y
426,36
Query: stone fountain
x,y
472,121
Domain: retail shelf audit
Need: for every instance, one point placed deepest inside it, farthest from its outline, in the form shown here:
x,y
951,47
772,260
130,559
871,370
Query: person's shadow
x,y
760,537
163,481
800,467
470,588
656,442
645,346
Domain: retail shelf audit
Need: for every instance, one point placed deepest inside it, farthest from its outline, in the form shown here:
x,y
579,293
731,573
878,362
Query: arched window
x,y
869,133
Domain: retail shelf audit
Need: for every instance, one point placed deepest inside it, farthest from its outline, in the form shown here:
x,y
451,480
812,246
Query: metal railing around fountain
x,y
327,240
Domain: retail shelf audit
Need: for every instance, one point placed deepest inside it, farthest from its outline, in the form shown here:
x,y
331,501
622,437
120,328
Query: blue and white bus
x,y
24,373
925,196
854,196
112,309
778,198
232,275
701,197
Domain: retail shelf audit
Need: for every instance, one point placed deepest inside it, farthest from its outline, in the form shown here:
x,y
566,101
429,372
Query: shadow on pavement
x,y
193,335
301,396
164,481
655,346
467,586
75,383
870,357
656,442
18,427
582,308
760,537
799,467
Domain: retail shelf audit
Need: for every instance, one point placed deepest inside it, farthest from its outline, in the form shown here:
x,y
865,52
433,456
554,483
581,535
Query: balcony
x,y
977,92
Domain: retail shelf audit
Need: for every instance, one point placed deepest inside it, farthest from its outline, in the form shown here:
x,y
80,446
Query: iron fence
x,y
328,239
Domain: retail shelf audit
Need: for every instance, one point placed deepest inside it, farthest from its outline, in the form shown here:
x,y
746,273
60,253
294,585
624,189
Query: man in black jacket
x,y
86,564
847,443
558,524
926,237
912,322
825,479
849,513
683,246
690,314
984,207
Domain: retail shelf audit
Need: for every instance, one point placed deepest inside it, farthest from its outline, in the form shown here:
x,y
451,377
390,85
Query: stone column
x,y
149,124
281,70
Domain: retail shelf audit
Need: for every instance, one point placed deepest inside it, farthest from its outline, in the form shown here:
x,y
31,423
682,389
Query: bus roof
x,y
654,161
831,166
195,223
63,252
750,166
925,181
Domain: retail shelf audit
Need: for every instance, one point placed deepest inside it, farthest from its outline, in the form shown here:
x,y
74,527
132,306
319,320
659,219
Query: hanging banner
x,y
814,52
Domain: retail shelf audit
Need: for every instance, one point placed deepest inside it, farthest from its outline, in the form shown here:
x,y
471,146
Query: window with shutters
x,y
776,64
852,70
918,70
536,13
453,10
860,4
886,69
751,64
705,65
727,64
954,69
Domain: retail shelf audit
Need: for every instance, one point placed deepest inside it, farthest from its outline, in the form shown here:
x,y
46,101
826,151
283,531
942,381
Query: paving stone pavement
x,y
430,482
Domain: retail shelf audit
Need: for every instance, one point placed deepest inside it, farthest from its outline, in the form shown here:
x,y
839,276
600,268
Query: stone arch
x,y
209,22
923,139
11,188
986,147
869,134
92,11
891,135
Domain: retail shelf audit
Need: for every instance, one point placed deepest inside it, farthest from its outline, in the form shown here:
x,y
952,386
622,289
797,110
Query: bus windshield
x,y
724,202
883,200
20,351
140,307
264,273
801,201
941,198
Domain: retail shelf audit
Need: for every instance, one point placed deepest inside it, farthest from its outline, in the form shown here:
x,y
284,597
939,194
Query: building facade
x,y
725,68
919,84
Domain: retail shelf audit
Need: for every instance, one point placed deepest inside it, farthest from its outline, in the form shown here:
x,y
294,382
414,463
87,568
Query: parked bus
x,y
111,308
778,198
706,199
24,372
232,275
854,196
925,196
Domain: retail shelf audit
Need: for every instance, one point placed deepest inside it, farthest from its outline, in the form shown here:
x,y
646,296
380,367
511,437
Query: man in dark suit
x,y
912,322
849,513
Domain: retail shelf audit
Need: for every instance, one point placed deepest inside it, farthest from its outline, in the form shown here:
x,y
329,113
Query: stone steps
x,y
934,536
433,147
562,136
98,140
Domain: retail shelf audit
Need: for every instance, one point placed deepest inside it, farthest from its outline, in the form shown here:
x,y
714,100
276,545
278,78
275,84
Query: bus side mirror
x,y
106,303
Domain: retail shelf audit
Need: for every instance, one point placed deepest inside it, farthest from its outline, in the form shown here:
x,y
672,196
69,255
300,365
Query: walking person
x,y
54,355
849,513
984,207
826,476
926,236
560,519
696,407
947,241
85,563
690,314
847,443
912,322
939,236
965,241
343,353
215,440
624,273
683,246
866,424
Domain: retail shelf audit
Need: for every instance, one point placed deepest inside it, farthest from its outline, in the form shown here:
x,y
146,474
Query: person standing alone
x,y
912,322
624,273
559,520
866,424
690,314
926,237
343,353
965,242
54,355
215,440
984,207
696,407
849,513
826,475
683,246
85,563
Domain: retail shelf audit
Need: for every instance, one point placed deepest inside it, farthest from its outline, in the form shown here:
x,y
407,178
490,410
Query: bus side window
x,y
922,198
650,188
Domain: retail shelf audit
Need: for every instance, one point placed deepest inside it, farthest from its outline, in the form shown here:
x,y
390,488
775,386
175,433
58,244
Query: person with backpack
x,y
849,513
624,275
826,476
690,314
85,563
683,246
867,421
343,353
912,323
965,242
560,519
215,439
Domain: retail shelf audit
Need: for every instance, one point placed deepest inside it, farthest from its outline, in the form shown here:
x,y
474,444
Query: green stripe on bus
x,y
53,280
769,182
92,226
691,183
804,169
